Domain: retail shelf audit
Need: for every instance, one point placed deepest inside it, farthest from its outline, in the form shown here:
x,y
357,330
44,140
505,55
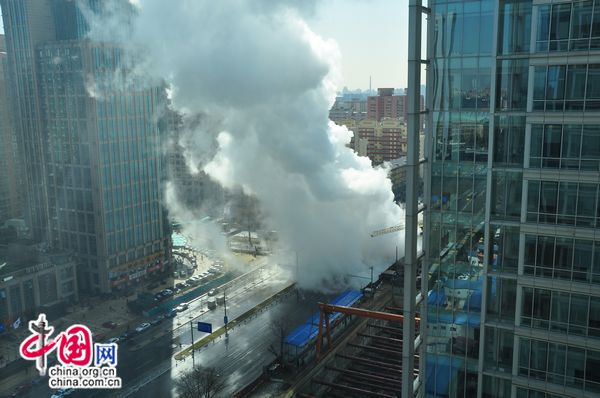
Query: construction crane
x,y
387,230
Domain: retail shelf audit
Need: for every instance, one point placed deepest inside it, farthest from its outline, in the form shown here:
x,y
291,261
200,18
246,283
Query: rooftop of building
x,y
22,254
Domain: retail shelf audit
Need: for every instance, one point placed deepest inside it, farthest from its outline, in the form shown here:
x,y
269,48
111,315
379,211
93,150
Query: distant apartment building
x,y
90,145
10,199
381,141
387,105
33,279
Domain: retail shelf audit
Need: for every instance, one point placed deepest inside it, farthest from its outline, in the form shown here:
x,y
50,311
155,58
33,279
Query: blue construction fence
x,y
296,342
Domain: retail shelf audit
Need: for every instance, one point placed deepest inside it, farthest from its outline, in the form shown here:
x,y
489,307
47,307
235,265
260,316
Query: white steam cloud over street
x,y
269,81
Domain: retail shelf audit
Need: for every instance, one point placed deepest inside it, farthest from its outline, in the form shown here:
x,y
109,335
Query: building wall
x,y
513,210
28,23
45,283
93,163
384,141
10,187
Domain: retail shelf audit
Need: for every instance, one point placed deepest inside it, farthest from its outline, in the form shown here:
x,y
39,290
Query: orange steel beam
x,y
326,309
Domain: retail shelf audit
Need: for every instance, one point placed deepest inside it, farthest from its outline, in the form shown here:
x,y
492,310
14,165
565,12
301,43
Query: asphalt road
x,y
139,367
240,357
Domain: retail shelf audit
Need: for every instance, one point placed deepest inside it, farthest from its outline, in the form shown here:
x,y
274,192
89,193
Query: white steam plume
x,y
257,68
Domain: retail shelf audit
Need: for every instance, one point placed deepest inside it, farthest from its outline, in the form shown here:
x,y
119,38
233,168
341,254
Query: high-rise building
x,y
10,200
513,199
89,144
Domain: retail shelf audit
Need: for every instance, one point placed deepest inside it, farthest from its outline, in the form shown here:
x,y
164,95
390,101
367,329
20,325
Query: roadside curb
x,y
233,323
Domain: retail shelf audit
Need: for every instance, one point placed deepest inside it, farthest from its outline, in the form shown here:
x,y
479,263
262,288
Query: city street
x,y
241,357
137,365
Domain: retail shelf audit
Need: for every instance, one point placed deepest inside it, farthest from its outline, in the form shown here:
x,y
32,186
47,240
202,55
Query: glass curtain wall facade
x,y
101,169
514,244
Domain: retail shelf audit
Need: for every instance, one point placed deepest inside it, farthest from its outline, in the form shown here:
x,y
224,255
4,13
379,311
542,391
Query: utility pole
x,y
225,320
297,288
193,350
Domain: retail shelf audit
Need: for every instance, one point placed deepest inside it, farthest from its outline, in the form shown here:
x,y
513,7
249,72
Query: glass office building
x,y
90,145
514,204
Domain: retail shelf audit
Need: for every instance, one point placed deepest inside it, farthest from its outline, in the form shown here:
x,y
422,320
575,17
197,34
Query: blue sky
x,y
372,36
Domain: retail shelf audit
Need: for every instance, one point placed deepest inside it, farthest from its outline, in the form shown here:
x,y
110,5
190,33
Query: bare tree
x,y
280,328
200,383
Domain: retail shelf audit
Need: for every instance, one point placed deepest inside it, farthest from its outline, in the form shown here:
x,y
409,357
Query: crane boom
x,y
388,230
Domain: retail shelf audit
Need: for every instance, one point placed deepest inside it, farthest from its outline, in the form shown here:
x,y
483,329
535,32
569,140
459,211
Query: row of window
x,y
132,216
566,87
567,203
571,26
570,146
119,242
560,364
562,258
574,314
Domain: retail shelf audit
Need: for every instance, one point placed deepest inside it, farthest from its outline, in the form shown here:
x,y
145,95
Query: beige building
x,y
381,141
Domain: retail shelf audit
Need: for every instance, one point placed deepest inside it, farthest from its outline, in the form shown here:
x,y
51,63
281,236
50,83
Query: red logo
x,y
74,345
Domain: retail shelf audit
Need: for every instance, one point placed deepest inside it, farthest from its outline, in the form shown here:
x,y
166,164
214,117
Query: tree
x,y
200,382
280,328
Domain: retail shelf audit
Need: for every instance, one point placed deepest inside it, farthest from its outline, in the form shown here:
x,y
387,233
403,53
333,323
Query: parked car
x,y
158,296
213,292
180,285
110,325
142,327
167,292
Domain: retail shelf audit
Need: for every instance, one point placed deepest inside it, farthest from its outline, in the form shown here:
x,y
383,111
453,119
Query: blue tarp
x,y
347,298
474,302
304,333
437,297
472,320
300,336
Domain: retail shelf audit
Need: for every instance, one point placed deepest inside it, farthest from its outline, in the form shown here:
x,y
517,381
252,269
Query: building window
x,y
571,26
562,258
566,87
566,203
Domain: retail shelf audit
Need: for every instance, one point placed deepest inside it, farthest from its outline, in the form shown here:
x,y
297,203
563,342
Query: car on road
x,y
127,335
142,327
113,340
212,303
110,325
182,307
213,292
171,313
